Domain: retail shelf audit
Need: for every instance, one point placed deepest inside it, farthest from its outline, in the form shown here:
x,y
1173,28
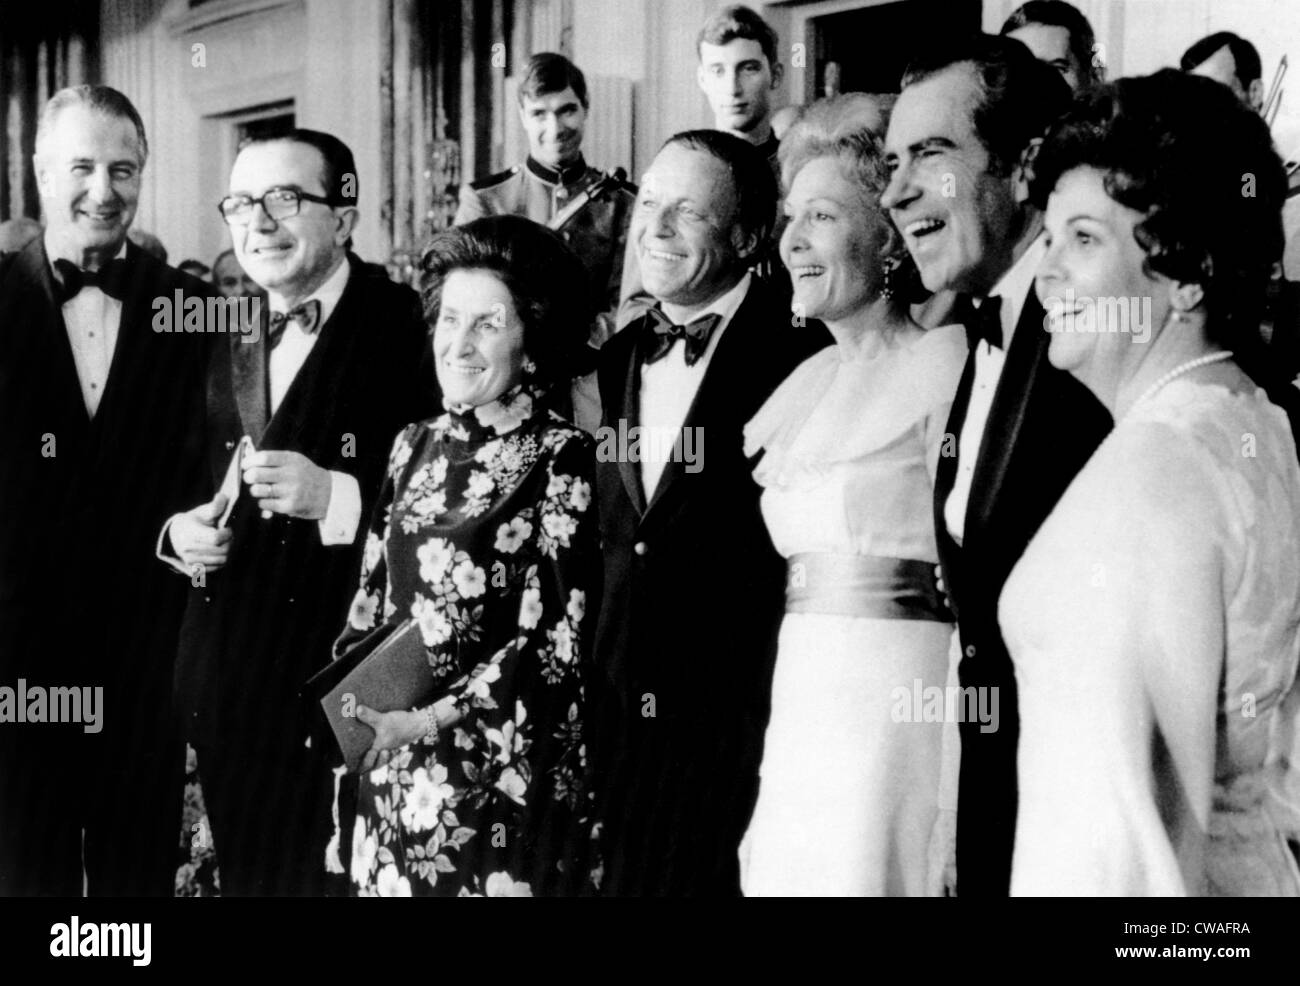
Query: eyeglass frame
x,y
261,200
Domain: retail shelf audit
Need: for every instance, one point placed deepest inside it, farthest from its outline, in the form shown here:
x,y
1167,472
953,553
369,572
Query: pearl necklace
x,y
1176,372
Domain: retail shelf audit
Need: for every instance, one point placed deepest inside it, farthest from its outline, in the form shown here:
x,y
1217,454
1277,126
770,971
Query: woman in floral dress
x,y
485,535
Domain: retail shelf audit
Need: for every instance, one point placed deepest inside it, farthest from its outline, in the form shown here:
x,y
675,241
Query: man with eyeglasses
x,y
339,370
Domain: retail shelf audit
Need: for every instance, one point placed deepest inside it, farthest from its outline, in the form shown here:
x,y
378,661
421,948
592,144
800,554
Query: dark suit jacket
x,y
693,597
266,621
82,599
1042,428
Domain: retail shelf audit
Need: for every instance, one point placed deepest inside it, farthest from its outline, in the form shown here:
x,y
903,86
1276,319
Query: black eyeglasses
x,y
277,203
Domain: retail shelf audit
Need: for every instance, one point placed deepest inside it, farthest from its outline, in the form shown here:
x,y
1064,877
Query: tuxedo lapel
x,y
630,412
1024,361
34,265
248,368
946,474
130,355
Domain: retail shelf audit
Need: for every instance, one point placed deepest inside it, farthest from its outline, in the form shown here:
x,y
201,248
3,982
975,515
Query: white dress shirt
x,y
92,319
1013,288
669,386
343,515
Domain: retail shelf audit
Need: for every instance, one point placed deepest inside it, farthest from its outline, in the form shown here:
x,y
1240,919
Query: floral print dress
x,y
485,534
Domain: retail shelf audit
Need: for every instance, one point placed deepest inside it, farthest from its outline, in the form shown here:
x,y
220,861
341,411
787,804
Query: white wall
x,y
260,54
1141,36
326,56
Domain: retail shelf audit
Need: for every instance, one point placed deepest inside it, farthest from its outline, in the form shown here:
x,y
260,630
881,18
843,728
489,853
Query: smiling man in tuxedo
x,y
958,145
738,72
693,586
341,369
94,435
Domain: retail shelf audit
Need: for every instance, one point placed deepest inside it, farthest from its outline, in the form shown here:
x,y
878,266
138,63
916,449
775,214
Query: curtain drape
x,y
48,46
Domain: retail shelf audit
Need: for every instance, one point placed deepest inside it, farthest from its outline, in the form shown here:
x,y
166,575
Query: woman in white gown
x,y
850,784
1154,621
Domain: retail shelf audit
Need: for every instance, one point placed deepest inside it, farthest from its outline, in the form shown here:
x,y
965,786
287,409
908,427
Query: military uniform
x,y
597,235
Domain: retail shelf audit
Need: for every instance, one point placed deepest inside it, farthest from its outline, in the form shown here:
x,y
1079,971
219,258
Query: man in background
x,y
1058,34
229,277
1232,60
553,105
739,73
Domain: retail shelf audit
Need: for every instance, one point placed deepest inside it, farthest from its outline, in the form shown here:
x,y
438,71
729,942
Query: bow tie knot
x,y
985,323
307,315
111,279
664,333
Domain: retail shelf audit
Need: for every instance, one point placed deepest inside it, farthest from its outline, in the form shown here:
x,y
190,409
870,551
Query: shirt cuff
x,y
163,550
343,515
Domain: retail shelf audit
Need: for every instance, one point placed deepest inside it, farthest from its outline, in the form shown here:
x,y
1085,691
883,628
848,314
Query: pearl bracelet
x,y
431,725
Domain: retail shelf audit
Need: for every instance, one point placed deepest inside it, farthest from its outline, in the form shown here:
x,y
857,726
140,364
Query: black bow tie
x,y
111,279
307,315
664,332
986,323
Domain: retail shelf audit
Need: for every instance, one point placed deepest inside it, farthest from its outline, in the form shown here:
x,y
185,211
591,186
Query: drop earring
x,y
888,268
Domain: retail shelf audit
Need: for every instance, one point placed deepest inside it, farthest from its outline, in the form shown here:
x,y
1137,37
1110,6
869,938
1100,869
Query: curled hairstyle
x,y
548,72
738,21
1201,169
1058,13
546,281
752,180
101,99
848,128
1017,95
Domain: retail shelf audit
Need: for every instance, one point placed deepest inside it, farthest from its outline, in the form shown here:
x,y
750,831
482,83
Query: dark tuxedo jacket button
x,y
970,650
229,446
640,547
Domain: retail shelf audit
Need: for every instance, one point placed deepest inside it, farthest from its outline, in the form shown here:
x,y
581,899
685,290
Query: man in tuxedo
x,y
738,71
95,408
958,146
686,638
340,369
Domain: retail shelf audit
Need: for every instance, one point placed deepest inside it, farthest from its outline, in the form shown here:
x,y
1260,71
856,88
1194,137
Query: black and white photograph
x,y
650,448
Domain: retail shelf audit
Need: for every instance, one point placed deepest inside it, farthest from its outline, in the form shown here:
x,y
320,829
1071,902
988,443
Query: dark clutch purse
x,y
385,670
